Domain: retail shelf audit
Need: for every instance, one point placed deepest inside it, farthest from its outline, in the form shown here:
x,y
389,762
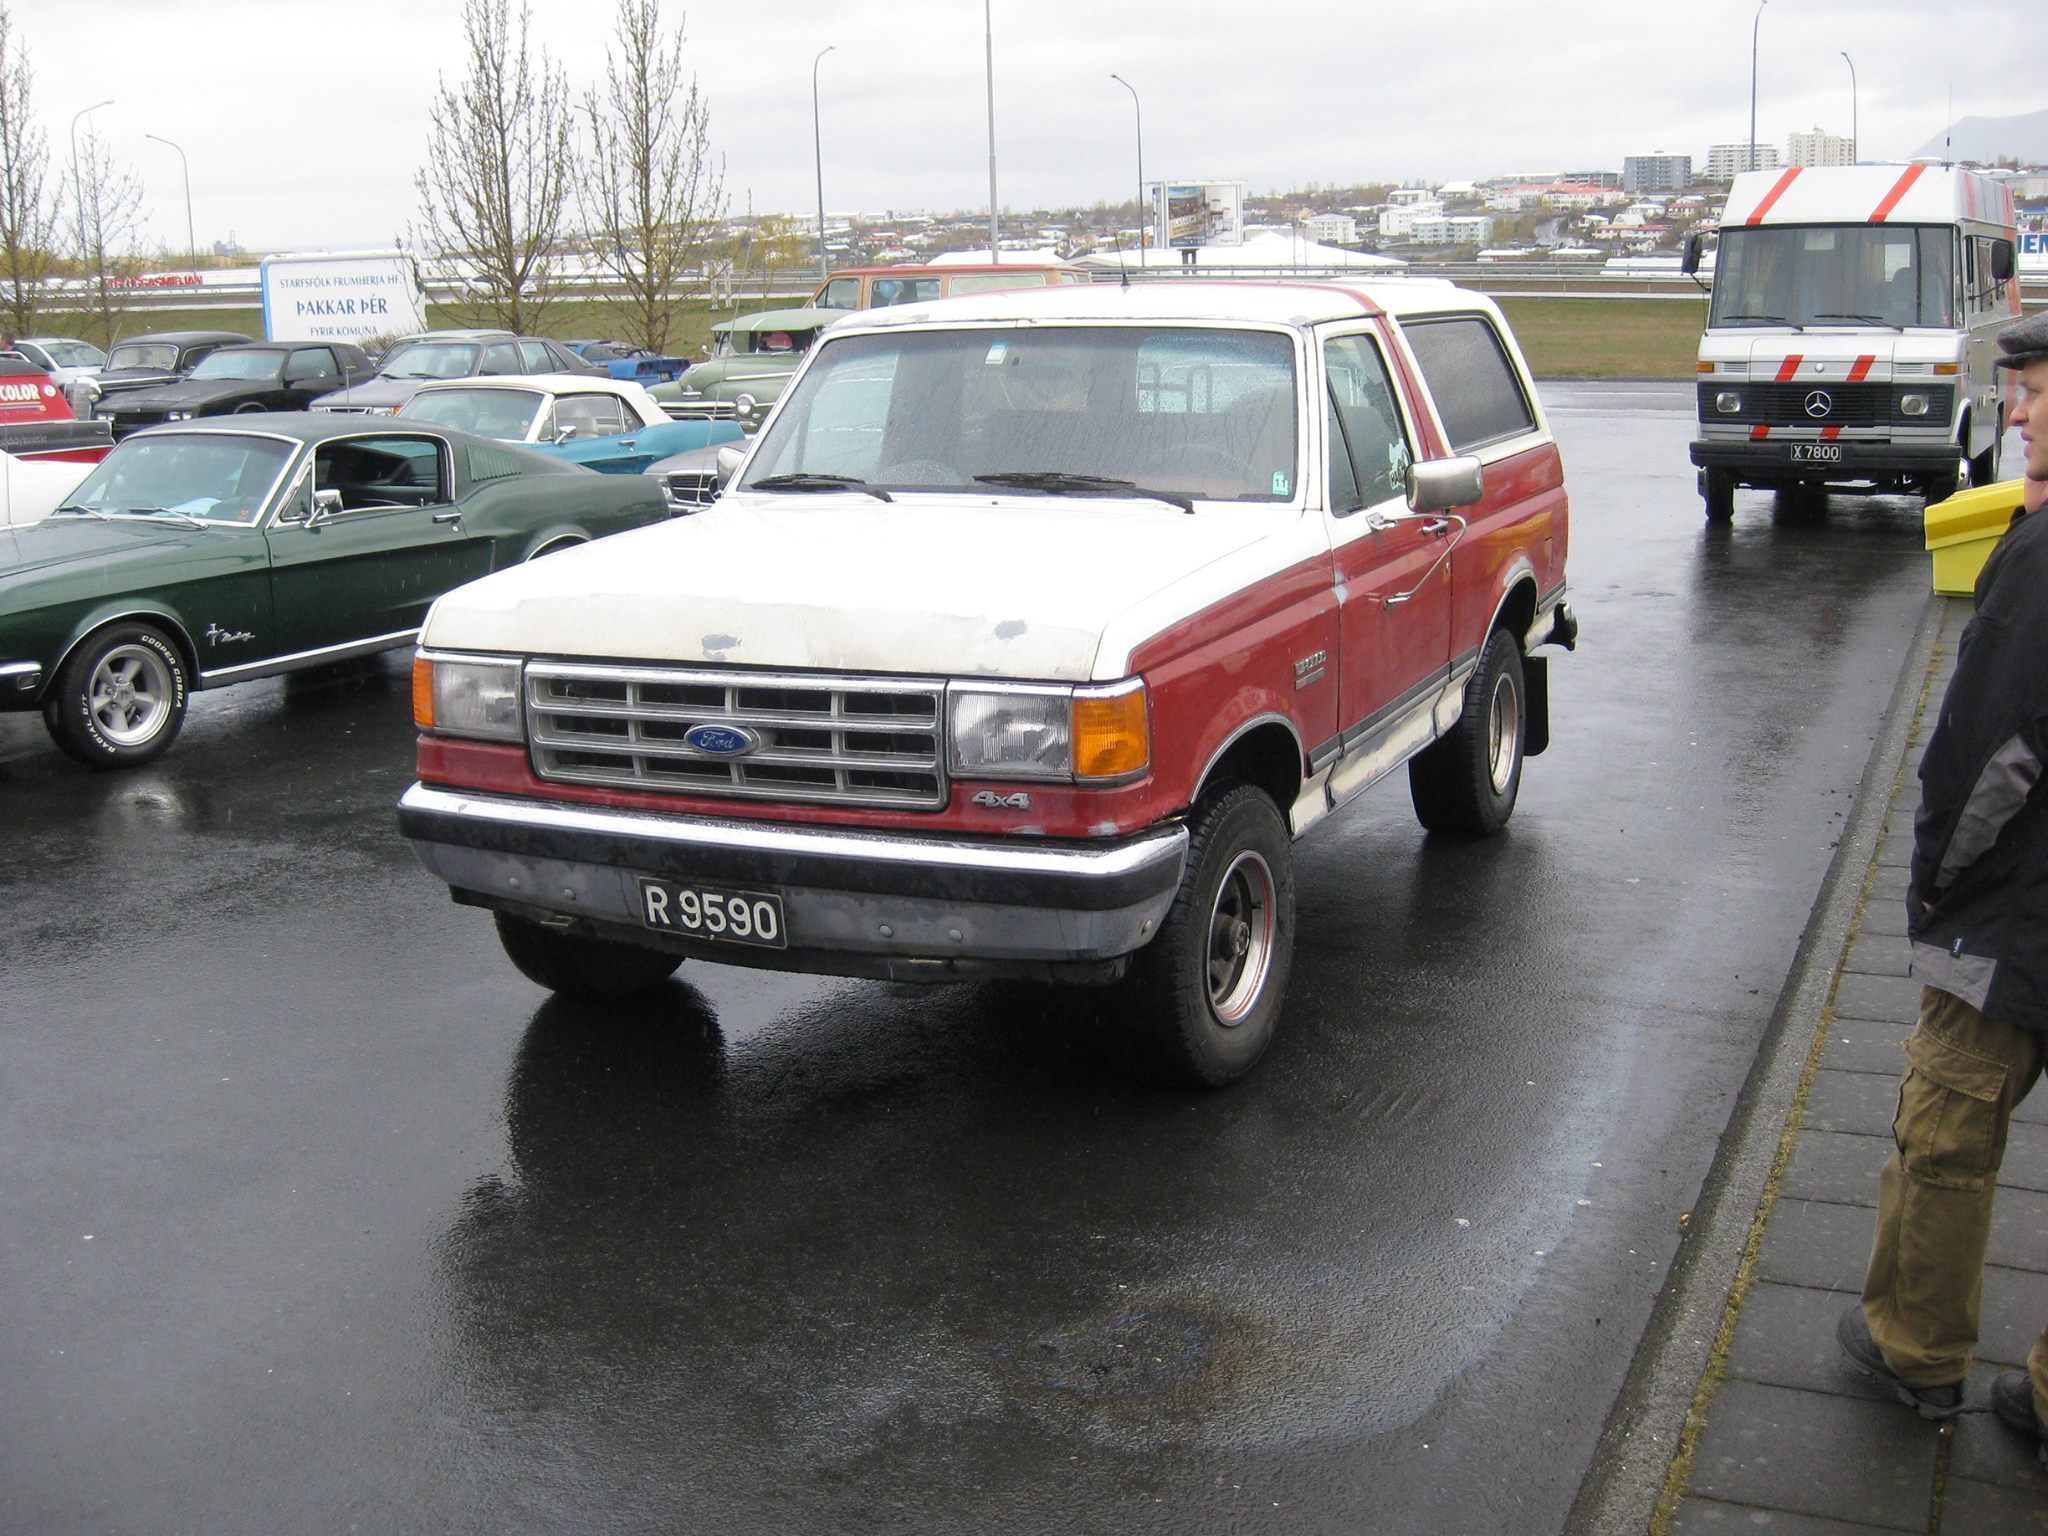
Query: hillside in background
x,y
1988,139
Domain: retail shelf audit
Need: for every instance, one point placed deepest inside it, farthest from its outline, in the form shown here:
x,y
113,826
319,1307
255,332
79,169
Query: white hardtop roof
x,y
1259,303
541,383
1866,194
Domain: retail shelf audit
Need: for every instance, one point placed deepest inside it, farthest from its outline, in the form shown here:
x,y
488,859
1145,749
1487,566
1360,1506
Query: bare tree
x,y
30,201
499,167
105,199
651,190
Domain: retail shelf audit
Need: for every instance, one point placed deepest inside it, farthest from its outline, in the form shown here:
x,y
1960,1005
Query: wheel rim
x,y
129,695
1503,733
1241,928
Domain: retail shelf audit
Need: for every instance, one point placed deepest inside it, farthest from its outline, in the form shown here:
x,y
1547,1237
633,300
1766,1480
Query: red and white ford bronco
x,y
1032,629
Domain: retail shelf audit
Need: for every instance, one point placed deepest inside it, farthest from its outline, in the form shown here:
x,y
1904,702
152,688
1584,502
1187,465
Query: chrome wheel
x,y
1241,930
130,695
1503,733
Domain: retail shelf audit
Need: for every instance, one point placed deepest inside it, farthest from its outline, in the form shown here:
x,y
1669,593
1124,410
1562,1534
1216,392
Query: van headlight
x,y
1913,404
467,696
1088,735
1728,402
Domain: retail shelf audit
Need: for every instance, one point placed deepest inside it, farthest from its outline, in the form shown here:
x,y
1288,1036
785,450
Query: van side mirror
x,y
1695,247
2002,263
1438,485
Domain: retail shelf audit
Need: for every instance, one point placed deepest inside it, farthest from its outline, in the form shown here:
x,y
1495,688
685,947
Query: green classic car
x,y
194,557
751,359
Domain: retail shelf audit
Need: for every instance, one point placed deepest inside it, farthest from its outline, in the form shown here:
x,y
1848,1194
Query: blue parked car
x,y
622,361
610,425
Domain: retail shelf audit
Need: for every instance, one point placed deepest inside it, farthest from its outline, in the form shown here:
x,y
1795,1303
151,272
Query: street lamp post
x,y
1855,140
818,149
78,187
1753,29
995,253
1140,111
191,244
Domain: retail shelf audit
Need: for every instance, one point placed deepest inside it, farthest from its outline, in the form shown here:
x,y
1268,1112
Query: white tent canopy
x,y
1269,250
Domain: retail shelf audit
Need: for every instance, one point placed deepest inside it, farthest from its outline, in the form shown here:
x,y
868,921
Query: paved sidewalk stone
x,y
1796,1441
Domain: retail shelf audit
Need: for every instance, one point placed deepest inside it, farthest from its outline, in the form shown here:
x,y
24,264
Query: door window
x,y
502,358
310,364
1369,450
385,471
537,357
591,415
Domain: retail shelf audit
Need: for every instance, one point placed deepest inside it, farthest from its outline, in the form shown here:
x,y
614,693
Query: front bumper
x,y
1771,462
918,908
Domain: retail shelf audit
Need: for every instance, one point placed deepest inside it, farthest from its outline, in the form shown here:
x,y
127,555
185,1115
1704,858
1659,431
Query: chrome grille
x,y
688,490
699,410
819,738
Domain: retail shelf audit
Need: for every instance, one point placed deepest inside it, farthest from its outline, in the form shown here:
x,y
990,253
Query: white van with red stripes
x,y
1852,332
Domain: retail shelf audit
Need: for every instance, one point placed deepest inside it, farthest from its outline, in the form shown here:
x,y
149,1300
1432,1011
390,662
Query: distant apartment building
x,y
1397,219
1817,148
1332,228
1724,160
1656,173
1451,229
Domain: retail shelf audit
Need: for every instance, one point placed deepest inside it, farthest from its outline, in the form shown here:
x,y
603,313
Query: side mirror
x,y
563,434
1695,248
1438,485
2002,265
326,505
729,458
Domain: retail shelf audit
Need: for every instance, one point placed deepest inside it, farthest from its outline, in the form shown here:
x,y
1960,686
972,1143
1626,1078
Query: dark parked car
x,y
158,358
406,366
262,376
197,556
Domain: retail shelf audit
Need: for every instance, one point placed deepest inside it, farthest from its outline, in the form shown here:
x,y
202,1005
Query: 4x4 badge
x,y
989,800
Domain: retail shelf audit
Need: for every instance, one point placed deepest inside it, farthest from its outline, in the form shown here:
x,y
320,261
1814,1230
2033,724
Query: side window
x,y
537,357
502,357
840,293
1476,388
311,363
1369,450
384,471
591,415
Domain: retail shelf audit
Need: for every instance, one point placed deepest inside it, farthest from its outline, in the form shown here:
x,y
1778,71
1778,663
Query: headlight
x,y
1084,734
1912,405
467,696
1728,402
178,416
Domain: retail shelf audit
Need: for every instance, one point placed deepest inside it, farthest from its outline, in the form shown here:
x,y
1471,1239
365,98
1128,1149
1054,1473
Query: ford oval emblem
x,y
721,740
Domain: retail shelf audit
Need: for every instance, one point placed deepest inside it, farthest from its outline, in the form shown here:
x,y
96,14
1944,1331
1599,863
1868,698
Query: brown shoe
x,y
2012,1399
1853,1334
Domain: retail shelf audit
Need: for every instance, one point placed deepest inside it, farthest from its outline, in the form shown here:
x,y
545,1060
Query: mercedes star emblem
x,y
1818,403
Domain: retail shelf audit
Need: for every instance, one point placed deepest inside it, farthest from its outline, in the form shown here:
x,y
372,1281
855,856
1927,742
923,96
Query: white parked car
x,y
31,489
611,425
69,362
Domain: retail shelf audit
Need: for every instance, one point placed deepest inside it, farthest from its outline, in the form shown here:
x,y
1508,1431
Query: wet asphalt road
x,y
314,1216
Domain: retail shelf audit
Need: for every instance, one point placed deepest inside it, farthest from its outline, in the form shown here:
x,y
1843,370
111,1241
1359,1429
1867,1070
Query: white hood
x,y
1019,587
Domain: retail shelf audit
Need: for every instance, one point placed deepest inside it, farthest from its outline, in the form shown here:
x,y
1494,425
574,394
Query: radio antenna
x,y
1123,272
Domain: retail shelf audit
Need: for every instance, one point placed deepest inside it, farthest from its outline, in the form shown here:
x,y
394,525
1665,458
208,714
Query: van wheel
x,y
1465,783
581,965
1718,487
1206,992
1984,467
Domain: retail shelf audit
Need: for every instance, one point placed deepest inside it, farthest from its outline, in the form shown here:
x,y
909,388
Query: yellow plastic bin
x,y
1962,530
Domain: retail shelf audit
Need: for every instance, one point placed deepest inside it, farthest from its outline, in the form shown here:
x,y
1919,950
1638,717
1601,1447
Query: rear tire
x,y
581,965
1207,991
1718,488
1465,783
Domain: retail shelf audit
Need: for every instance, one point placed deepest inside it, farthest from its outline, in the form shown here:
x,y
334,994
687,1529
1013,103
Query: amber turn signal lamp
x,y
423,693
1112,736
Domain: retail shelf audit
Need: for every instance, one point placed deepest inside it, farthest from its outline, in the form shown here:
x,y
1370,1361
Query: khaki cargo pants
x,y
1922,1297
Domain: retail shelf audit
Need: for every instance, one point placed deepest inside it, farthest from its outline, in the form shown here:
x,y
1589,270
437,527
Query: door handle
x,y
448,517
1437,526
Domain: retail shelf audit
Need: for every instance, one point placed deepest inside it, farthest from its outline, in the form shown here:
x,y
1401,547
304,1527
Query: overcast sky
x,y
305,120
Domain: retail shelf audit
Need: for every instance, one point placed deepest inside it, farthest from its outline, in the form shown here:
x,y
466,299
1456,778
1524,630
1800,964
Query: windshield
x,y
1190,410
143,355
218,477
1834,274
431,360
239,365
73,354
506,414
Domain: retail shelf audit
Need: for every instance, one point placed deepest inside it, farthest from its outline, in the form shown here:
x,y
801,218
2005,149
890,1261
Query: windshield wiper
x,y
1761,319
184,517
810,482
1054,480
83,511
1865,319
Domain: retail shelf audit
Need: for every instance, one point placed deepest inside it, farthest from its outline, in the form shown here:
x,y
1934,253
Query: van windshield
x,y
1835,274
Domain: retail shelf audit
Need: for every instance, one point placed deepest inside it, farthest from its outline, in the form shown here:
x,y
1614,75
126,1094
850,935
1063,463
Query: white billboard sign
x,y
349,297
1187,214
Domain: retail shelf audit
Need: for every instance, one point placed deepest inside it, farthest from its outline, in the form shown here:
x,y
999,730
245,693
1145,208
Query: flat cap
x,y
2021,344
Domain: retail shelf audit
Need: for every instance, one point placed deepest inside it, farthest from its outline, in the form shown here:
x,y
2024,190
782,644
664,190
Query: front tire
x,y
1464,784
581,965
119,699
1207,991
1718,490
1984,467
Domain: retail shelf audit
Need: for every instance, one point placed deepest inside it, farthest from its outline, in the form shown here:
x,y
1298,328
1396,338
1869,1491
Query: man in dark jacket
x,y
1977,915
